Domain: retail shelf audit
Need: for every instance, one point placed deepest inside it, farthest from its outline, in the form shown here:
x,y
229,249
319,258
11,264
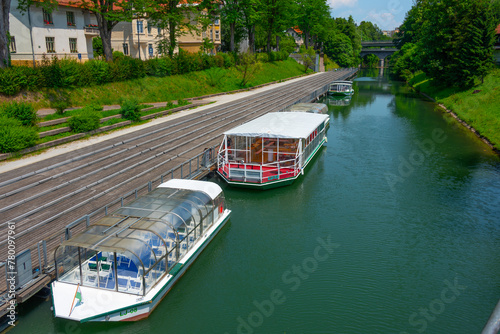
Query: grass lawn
x,y
155,89
480,110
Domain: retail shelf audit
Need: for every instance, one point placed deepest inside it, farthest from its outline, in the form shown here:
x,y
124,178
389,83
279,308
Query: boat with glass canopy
x,y
119,268
272,150
341,88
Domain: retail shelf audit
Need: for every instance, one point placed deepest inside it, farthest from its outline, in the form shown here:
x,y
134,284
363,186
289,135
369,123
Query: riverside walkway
x,y
46,195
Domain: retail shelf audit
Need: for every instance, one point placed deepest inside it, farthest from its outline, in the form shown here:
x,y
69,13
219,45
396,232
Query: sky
x,y
386,14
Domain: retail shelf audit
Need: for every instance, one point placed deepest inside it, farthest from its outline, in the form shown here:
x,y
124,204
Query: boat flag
x,y
78,298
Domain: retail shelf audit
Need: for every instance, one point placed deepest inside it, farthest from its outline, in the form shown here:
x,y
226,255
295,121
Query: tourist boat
x,y
120,268
272,150
339,100
341,88
316,108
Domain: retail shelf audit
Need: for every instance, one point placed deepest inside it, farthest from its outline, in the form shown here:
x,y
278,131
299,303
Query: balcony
x,y
91,30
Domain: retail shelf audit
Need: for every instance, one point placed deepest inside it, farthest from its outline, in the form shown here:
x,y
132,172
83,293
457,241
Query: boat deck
x,y
253,173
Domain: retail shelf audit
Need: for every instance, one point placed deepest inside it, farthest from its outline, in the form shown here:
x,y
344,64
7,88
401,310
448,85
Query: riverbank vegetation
x,y
18,128
446,52
477,106
451,41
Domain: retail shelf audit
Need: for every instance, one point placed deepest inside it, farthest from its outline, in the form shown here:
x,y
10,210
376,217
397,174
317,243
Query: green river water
x,y
394,228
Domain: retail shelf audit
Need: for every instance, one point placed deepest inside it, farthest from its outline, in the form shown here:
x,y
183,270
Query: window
x,y
125,49
70,18
47,17
150,50
159,31
72,45
140,27
150,27
49,42
12,44
217,34
217,22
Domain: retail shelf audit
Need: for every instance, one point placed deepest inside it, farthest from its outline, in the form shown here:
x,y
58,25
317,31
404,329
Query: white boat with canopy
x,y
341,88
119,268
272,150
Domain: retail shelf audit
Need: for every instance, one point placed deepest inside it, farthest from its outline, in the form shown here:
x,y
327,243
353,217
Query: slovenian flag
x,y
78,298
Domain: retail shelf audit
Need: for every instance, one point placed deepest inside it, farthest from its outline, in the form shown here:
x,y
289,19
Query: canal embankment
x,y
475,108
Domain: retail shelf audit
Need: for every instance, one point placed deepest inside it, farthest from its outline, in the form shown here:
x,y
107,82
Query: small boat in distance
x,y
316,108
341,88
122,266
272,150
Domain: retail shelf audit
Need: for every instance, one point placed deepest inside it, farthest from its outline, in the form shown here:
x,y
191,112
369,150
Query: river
x,y
393,229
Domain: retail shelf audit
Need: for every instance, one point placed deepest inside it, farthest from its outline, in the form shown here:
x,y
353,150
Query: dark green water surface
x,y
393,229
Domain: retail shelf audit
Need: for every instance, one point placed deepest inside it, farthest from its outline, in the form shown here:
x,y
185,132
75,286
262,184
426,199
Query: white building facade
x,y
66,32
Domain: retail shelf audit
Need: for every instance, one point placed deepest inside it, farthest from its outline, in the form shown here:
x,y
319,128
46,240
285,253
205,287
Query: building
x,y
296,33
139,38
65,32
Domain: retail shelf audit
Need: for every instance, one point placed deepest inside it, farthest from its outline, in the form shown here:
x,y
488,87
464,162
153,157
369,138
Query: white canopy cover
x,y
280,125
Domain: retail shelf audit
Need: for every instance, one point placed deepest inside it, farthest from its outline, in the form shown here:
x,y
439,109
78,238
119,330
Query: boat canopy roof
x,y
280,125
168,212
345,82
317,108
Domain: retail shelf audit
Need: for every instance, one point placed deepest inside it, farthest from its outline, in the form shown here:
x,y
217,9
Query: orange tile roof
x,y
497,30
297,30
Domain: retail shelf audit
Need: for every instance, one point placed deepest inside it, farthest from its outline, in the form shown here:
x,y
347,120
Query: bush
x,y
21,111
262,57
228,60
95,72
215,75
130,110
59,100
87,121
15,137
17,78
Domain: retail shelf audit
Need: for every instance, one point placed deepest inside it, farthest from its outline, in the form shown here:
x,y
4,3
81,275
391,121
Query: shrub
x,y
262,57
215,75
16,78
15,137
95,72
59,100
22,111
228,60
182,102
88,120
130,110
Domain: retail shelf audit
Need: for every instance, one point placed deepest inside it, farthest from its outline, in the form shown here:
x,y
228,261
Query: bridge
x,y
381,49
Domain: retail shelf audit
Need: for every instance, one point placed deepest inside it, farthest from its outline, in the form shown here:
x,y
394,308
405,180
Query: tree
x,y
108,14
97,47
177,19
311,16
308,57
4,28
275,17
338,48
231,15
457,40
248,67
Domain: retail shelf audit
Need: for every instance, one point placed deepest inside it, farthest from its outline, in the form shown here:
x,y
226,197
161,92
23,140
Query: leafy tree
x,y
457,40
4,38
108,14
288,44
231,16
311,16
97,47
371,32
248,67
308,57
175,18
339,48
275,18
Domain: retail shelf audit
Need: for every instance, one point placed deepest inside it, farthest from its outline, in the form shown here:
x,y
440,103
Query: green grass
x,y
153,89
480,110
